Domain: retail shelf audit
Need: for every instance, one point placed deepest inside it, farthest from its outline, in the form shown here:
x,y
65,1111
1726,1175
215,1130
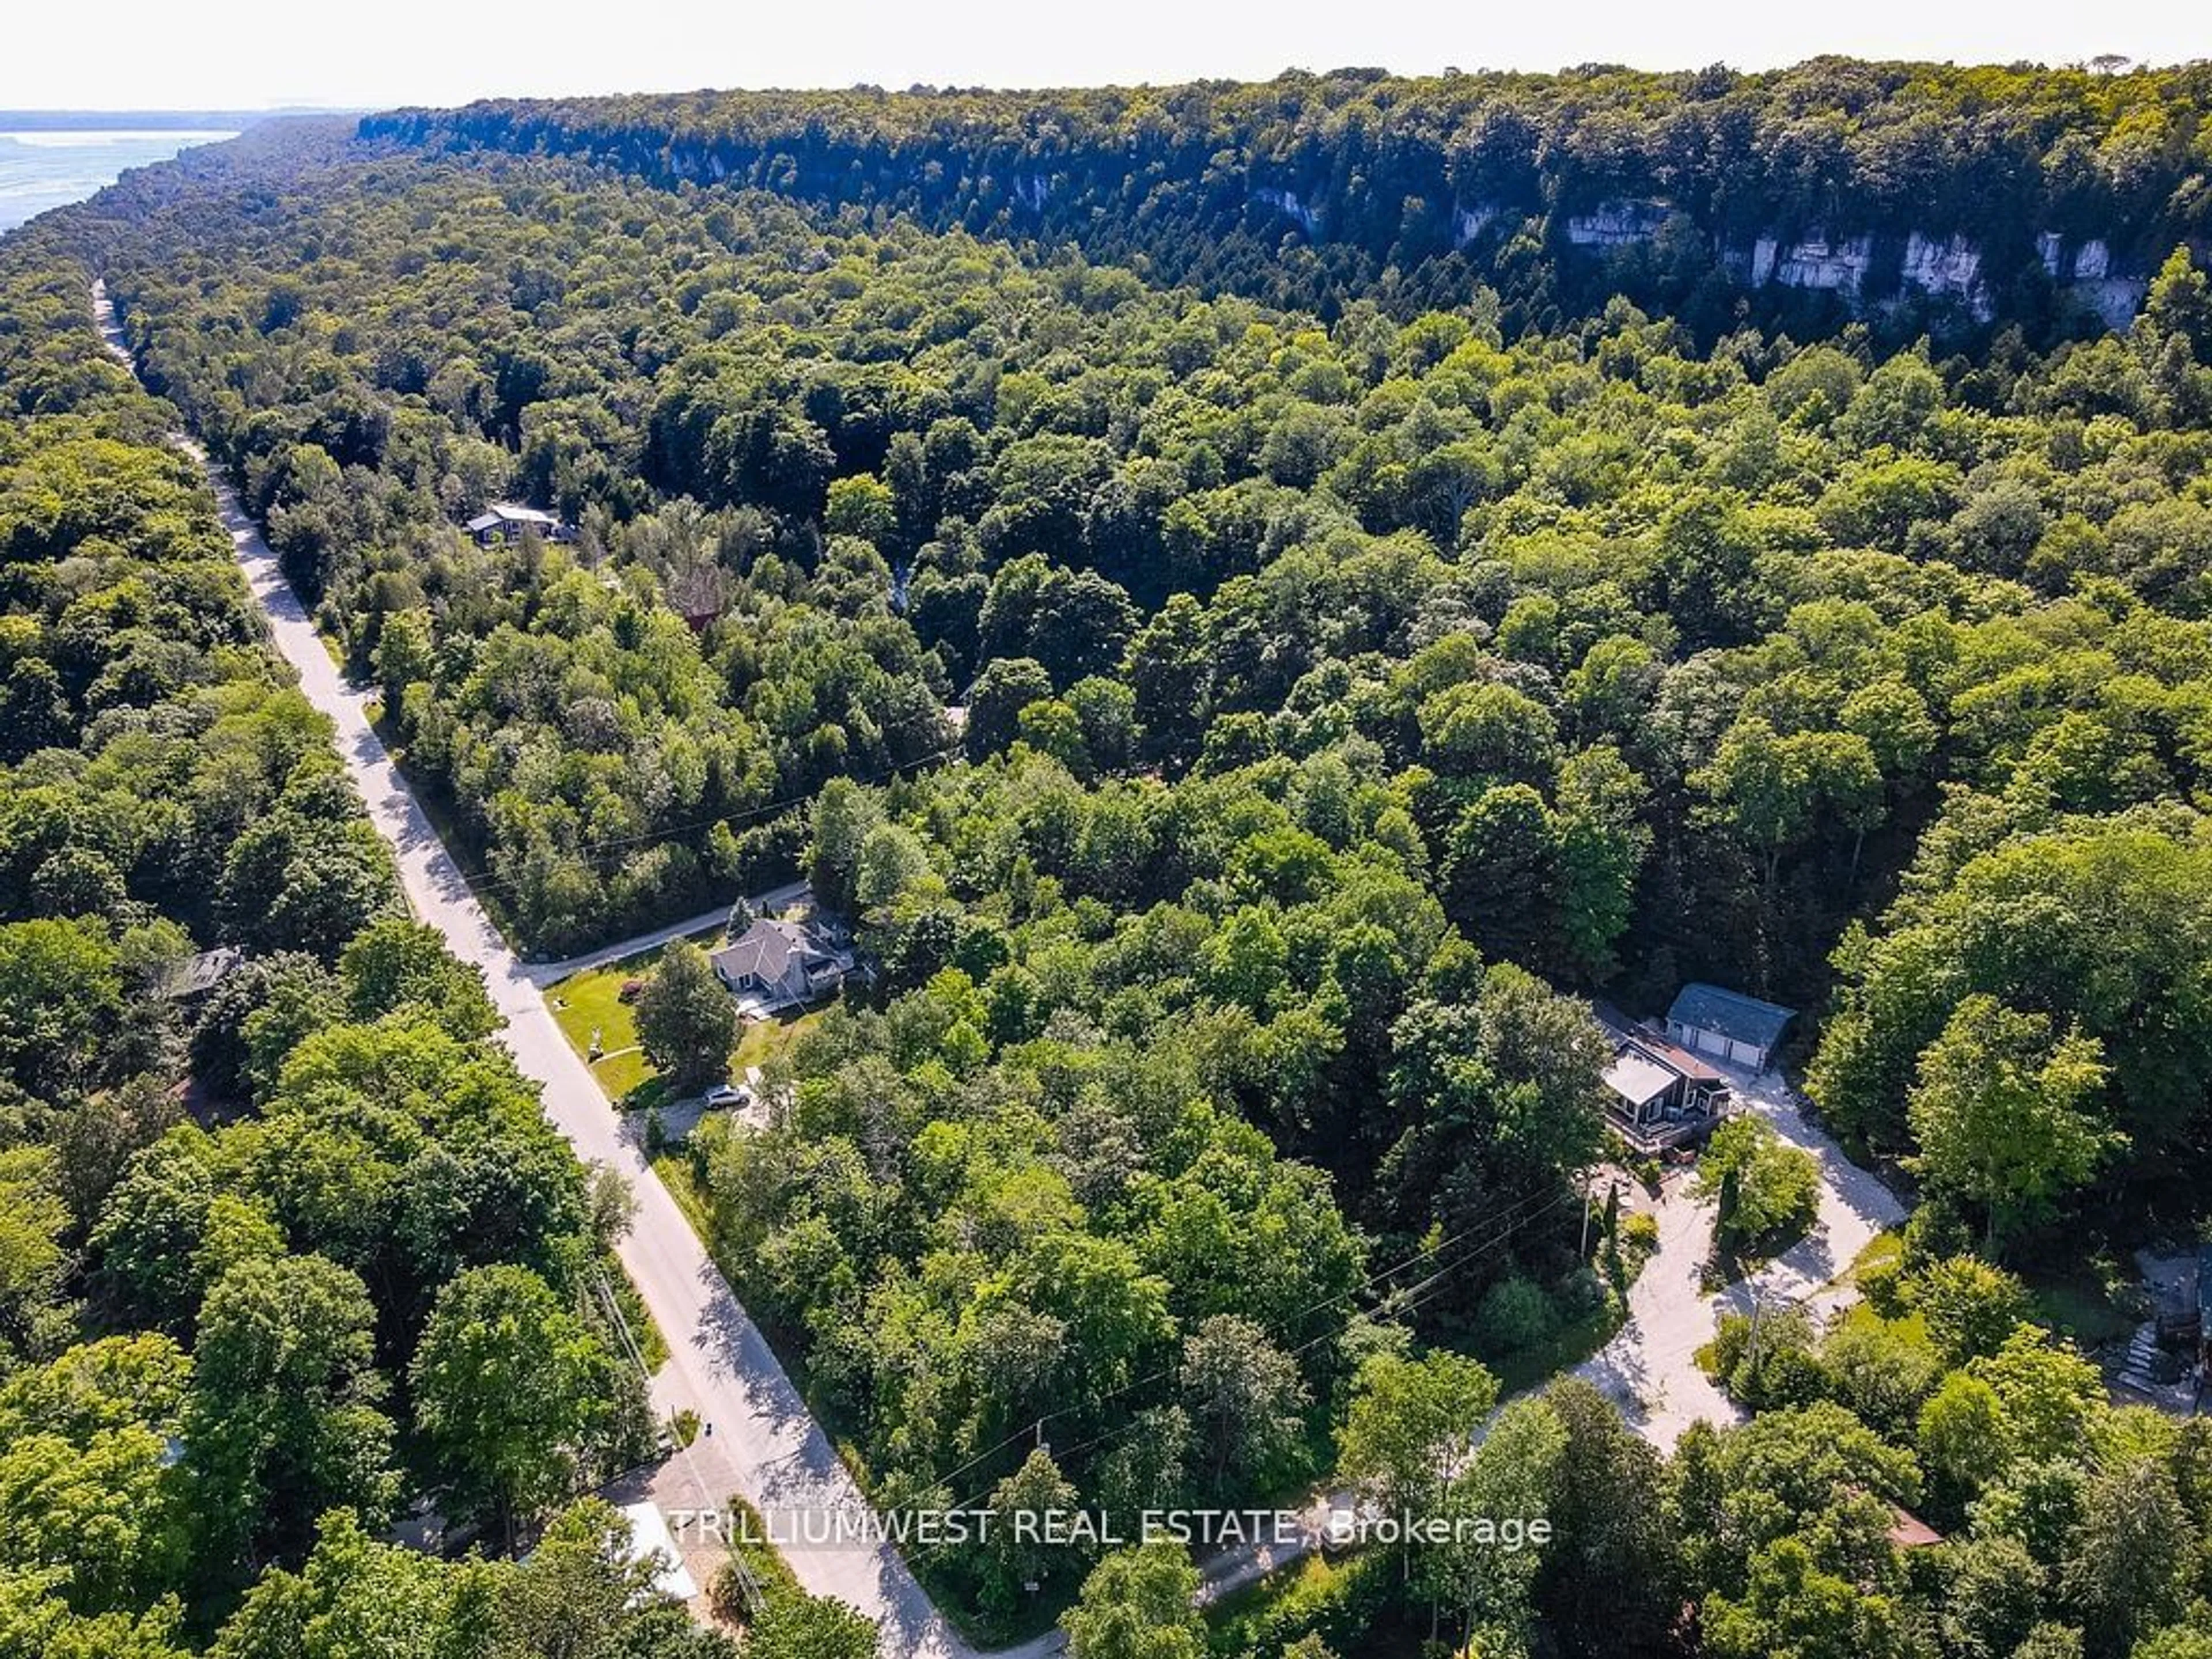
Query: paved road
x,y
766,1445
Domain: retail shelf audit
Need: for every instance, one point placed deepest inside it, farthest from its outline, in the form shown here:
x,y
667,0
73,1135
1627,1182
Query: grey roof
x,y
1746,1019
764,951
199,973
507,513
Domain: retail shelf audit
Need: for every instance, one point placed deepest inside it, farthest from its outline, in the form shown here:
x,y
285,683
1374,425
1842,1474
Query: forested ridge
x,y
1245,732
1555,191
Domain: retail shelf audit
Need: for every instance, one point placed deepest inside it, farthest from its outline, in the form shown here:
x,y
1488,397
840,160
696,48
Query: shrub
x,y
1969,1307
1771,1361
1767,1191
1515,1314
1638,1239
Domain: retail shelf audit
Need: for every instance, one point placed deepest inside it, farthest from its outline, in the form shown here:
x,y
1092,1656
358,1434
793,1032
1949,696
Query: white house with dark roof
x,y
1658,1094
779,964
1728,1025
507,521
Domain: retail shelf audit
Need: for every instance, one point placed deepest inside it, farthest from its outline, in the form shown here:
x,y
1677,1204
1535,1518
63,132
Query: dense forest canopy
x,y
1556,190
1250,696
269,1245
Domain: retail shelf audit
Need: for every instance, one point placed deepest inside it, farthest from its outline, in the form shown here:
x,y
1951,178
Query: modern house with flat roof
x,y
1728,1025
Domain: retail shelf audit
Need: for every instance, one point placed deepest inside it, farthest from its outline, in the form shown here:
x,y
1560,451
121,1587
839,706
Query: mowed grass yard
x,y
591,1000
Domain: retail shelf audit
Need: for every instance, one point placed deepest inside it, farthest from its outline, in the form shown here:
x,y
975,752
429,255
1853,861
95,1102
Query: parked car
x,y
729,1094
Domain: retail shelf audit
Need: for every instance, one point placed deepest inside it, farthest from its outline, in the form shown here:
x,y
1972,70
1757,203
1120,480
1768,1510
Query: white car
x,y
729,1094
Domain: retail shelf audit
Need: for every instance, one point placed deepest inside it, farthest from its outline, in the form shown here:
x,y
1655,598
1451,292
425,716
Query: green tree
x,y
2049,1394
1510,1479
2004,1114
1991,1599
1969,1307
102,1511
1026,1549
33,1260
36,1622
687,1022
1964,1439
351,1595
508,1386
1244,1396
861,506
61,989
394,963
795,1626
1408,1421
1136,1604
1768,1191
1791,1607
284,1418
1610,1580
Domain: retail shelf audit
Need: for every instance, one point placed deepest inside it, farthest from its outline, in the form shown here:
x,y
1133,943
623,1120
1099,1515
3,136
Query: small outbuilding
x,y
196,975
1728,1025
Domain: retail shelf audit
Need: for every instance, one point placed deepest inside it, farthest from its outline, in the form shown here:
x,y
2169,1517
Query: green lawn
x,y
1882,1251
592,1002
764,1040
2083,1305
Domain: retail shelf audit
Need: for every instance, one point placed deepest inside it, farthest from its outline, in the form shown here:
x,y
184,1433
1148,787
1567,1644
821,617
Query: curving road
x,y
766,1445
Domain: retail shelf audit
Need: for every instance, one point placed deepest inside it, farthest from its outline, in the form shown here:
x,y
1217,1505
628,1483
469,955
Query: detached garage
x,y
1728,1026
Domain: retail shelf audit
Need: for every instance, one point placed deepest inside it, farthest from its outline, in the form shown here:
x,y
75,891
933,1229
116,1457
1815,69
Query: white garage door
x,y
1745,1053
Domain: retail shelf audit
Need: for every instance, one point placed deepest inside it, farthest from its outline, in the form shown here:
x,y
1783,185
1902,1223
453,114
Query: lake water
x,y
42,170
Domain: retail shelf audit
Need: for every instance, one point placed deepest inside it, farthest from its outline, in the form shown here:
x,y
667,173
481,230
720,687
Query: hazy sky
x,y
121,54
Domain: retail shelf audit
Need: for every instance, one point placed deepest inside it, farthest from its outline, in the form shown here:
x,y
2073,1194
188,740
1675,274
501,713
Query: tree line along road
x,y
766,1443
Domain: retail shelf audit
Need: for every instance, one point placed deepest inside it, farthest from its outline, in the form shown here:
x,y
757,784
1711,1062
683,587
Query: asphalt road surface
x,y
766,1445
